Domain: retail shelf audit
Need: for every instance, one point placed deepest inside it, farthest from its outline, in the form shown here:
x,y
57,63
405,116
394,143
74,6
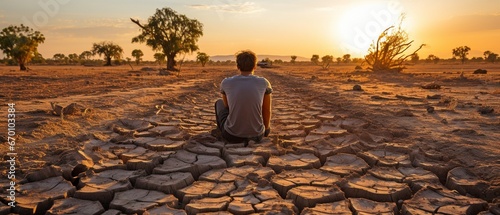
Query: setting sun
x,y
361,24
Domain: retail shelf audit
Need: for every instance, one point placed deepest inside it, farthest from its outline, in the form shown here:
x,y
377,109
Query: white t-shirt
x,y
245,95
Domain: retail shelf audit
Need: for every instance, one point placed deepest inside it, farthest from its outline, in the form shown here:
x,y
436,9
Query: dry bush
x,y
388,53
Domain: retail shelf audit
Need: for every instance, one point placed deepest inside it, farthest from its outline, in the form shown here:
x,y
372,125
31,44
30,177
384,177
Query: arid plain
x,y
400,144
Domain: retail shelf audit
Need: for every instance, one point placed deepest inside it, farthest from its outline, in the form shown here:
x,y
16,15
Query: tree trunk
x,y
108,61
22,67
171,62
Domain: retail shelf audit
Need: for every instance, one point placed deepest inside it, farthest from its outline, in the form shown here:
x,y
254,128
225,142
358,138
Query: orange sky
x,y
293,27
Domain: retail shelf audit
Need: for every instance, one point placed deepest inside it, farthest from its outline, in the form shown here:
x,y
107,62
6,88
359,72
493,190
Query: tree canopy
x,y
433,58
461,52
315,59
346,58
171,33
73,58
159,57
137,53
60,57
326,60
38,58
85,55
203,58
492,57
20,43
486,54
109,50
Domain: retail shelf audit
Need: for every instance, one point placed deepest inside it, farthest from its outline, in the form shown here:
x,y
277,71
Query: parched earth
x,y
333,150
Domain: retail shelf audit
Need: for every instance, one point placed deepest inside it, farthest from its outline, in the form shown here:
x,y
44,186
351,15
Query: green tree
x,y
294,58
137,53
339,60
60,58
73,58
85,55
388,53
486,54
203,58
346,58
171,33
492,57
326,60
20,43
315,59
38,58
160,58
432,58
109,50
461,52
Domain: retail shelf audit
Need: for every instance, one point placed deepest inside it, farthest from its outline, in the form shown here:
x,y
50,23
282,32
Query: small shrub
x,y
480,71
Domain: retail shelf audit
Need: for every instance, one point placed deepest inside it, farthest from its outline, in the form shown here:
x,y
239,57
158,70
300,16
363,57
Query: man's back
x,y
245,97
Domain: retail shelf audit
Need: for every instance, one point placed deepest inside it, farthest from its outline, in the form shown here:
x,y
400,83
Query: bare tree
x,y
388,53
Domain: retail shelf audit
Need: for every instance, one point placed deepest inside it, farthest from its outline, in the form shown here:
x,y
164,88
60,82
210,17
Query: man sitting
x,y
244,112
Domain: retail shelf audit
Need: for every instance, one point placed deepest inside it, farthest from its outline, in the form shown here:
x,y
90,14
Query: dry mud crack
x,y
320,159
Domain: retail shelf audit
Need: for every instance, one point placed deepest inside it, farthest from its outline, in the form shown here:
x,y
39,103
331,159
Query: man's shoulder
x,y
254,79
229,79
260,78
263,80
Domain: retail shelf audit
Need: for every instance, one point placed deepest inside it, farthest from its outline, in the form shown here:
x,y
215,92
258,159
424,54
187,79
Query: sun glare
x,y
361,24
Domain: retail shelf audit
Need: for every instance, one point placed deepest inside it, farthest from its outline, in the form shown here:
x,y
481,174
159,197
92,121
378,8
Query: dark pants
x,y
221,113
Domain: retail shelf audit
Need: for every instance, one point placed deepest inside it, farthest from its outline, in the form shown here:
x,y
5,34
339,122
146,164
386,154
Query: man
x,y
244,112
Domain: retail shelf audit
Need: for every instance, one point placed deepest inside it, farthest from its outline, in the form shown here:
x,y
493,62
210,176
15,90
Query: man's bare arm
x,y
266,110
224,98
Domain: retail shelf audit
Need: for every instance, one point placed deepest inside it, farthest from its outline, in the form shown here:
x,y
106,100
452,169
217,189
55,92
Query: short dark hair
x,y
246,60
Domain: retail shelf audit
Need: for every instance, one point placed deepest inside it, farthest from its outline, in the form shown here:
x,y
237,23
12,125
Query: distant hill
x,y
259,57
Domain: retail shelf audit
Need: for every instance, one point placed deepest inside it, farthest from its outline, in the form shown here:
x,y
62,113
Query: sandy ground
x,y
394,105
